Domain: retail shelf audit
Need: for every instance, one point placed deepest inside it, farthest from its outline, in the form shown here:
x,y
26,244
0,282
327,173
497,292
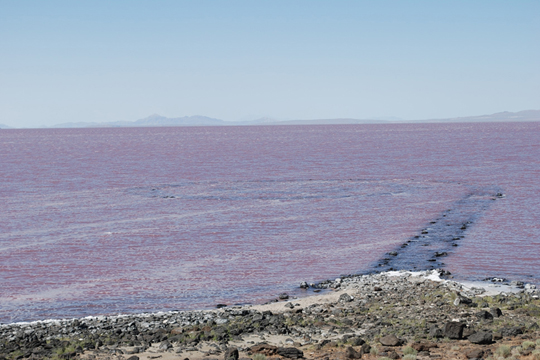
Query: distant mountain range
x,y
197,120
151,121
2,126
505,116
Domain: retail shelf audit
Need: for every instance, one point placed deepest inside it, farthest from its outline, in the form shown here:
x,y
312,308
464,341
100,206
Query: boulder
x,y
423,346
484,315
357,341
495,311
231,354
481,338
165,345
365,349
290,352
264,349
453,330
345,298
390,340
511,331
474,353
467,331
462,300
435,332
350,353
177,331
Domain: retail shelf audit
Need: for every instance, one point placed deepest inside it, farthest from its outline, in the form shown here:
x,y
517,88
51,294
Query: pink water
x,y
102,221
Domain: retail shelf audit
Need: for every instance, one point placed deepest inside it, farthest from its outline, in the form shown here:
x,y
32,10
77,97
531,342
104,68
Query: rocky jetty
x,y
387,315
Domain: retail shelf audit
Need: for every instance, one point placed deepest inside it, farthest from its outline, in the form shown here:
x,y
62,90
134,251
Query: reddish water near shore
x,y
102,221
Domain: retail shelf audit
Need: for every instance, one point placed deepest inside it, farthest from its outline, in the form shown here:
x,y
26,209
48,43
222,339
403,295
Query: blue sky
x,y
97,61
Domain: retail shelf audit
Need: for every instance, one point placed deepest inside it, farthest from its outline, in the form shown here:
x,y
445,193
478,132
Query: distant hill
x,y
150,121
505,116
198,120
2,126
340,121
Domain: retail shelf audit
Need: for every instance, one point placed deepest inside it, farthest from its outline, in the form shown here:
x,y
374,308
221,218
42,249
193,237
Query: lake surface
x,y
122,220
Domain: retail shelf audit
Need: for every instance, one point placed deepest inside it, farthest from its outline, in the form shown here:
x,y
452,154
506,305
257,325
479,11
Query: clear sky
x,y
63,61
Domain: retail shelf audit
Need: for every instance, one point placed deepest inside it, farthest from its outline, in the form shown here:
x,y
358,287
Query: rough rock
x,y
345,298
462,300
481,338
365,349
484,315
435,332
231,354
264,349
474,353
390,340
357,341
511,331
495,311
350,353
453,330
290,352
423,346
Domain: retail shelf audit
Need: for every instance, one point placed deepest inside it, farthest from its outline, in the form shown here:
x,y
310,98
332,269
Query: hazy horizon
x,y
238,60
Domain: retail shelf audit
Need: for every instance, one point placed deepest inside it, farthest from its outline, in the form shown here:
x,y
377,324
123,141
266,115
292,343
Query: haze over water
x,y
118,220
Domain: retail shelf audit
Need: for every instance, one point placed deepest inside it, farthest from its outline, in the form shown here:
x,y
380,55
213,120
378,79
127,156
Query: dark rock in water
x,y
350,353
304,285
496,312
439,254
481,338
231,354
219,306
435,332
484,315
453,330
390,340
511,331
393,253
283,296
345,298
290,353
474,354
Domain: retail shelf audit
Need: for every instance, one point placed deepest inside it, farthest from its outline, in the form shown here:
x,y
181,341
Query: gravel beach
x,y
396,315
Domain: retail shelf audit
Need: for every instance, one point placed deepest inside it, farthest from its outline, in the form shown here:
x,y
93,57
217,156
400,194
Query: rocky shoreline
x,y
396,315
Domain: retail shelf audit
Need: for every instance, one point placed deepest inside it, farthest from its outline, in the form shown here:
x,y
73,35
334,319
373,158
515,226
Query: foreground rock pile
x,y
370,317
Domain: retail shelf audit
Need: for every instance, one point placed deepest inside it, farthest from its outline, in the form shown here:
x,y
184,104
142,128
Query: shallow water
x,y
101,221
